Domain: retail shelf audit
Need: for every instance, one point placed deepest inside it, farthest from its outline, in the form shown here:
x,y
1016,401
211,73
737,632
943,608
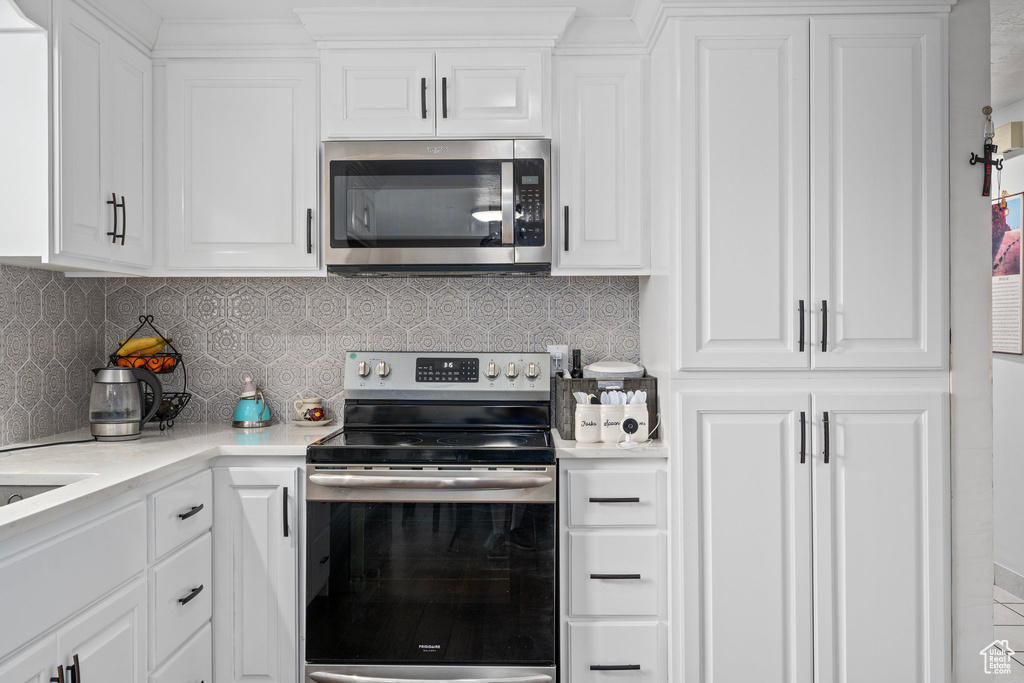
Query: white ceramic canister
x,y
588,423
611,422
637,411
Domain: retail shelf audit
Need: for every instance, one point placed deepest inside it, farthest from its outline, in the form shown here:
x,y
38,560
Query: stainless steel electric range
x,y
431,523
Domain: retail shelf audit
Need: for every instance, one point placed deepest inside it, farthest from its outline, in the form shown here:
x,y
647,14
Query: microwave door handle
x,y
325,677
507,204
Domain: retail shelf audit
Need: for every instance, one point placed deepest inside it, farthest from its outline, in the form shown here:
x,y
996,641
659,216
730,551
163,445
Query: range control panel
x,y
399,375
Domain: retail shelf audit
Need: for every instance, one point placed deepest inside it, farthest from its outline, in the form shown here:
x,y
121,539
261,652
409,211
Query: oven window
x,y
423,583
443,203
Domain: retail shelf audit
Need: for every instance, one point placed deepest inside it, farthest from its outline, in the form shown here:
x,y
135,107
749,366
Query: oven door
x,y
431,567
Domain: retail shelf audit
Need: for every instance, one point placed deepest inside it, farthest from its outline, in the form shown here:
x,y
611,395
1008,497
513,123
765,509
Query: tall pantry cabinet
x,y
798,309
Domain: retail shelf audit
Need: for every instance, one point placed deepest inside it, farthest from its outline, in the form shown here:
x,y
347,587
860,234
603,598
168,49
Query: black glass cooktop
x,y
373,446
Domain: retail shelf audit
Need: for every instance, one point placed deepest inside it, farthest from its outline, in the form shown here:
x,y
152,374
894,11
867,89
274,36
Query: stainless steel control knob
x,y
492,370
532,371
383,369
511,371
363,368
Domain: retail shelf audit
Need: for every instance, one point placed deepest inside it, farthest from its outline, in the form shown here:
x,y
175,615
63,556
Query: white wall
x,y
1008,399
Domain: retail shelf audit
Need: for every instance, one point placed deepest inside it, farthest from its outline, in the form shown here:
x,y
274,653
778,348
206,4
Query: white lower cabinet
x,y
192,664
614,570
108,642
815,537
256,567
35,663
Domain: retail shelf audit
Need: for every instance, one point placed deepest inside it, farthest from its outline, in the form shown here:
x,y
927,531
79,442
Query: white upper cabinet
x,y
375,94
601,152
744,192
105,145
486,93
813,182
878,191
242,167
450,94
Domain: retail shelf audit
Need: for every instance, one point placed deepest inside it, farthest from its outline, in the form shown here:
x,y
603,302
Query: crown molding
x,y
436,26
229,37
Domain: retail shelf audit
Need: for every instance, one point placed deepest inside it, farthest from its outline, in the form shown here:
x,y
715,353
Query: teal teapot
x,y
252,410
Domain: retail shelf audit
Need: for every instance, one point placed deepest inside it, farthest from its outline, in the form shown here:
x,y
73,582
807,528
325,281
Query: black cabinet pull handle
x,y
285,498
75,671
194,510
323,560
801,341
444,97
309,231
59,678
124,220
565,228
824,325
191,596
614,667
615,576
423,98
803,437
614,500
824,423
113,202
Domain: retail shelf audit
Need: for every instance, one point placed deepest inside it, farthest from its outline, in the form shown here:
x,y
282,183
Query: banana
x,y
142,346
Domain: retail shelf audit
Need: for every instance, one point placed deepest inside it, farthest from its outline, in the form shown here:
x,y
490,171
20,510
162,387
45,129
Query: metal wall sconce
x,y
990,149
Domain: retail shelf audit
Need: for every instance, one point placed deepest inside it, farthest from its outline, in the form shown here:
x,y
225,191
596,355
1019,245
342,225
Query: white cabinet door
x,y
744,193
256,572
601,155
34,663
109,640
878,191
131,97
489,93
377,94
746,539
881,539
242,166
84,136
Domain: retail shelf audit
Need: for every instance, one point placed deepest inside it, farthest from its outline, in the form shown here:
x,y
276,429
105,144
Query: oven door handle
x,y
324,677
363,481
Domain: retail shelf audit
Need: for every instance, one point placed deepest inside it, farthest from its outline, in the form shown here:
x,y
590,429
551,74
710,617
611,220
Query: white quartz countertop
x,y
565,448
99,470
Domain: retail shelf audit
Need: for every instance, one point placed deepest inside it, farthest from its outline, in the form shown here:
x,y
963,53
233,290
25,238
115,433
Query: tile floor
x,y
1008,618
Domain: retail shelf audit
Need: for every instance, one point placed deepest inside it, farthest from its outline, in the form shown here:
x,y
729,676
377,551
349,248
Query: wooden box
x,y
564,412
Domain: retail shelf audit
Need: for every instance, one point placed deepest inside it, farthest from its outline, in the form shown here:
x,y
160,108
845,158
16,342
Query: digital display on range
x,y
447,370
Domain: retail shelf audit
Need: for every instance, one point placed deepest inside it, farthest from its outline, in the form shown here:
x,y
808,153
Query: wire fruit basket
x,y
161,363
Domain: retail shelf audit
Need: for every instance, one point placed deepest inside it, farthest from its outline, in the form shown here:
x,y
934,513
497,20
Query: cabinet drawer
x,y
616,653
616,574
173,580
614,498
192,663
167,506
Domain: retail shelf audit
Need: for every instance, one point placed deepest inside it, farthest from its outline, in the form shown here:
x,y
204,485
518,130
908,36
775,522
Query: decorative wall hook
x,y
990,149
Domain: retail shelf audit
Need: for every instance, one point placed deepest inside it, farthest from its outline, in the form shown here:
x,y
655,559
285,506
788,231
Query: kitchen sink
x,y
15,487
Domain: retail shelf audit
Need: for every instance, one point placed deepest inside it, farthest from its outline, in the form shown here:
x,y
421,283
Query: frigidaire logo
x,y
430,647
437,150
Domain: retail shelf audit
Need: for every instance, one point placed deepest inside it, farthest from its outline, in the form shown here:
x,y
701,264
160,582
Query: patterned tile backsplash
x,y
291,334
51,335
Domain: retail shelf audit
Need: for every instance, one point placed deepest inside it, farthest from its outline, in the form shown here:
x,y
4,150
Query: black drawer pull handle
x,y
59,678
75,671
614,500
285,506
444,98
191,596
615,576
309,231
423,98
824,422
193,511
801,341
565,227
803,437
824,325
614,667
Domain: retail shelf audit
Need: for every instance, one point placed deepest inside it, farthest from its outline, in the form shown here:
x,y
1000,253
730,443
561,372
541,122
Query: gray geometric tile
x,y
568,309
306,341
17,427
488,306
64,343
266,343
625,343
529,308
42,419
593,344
287,306
29,385
225,341
221,407
246,305
7,392
548,334
205,305
428,336
16,344
55,384
53,304
165,303
325,376
206,378
406,308
28,302
8,304
40,343
609,310
447,308
387,336
468,337
367,307
125,305
327,306
65,415
344,338
508,337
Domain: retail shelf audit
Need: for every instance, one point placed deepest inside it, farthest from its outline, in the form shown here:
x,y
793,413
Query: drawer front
x,y
173,580
616,574
614,498
191,664
617,653
168,506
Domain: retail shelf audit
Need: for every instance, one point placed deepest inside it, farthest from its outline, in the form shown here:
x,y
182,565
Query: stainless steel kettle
x,y
115,405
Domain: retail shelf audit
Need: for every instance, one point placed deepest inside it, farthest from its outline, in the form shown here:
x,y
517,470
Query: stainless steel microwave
x,y
437,207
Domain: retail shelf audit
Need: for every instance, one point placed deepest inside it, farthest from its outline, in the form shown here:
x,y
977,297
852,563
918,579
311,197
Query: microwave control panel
x,y
529,199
